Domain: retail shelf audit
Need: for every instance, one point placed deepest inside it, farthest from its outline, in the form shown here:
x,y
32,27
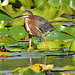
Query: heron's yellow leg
x,y
46,46
29,44
43,36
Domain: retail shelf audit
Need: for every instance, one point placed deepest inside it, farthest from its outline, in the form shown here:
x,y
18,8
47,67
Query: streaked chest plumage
x,y
31,26
27,26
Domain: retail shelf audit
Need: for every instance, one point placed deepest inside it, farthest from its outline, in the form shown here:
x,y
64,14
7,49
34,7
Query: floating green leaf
x,y
18,32
72,47
39,3
68,68
69,30
5,17
62,2
7,40
26,3
58,35
62,11
35,69
2,24
15,50
59,19
4,31
5,54
51,44
29,72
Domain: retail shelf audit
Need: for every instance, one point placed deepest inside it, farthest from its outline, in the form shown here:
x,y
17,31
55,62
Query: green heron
x,y
36,26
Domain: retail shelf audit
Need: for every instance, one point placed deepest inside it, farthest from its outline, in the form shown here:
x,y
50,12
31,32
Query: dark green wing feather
x,y
44,25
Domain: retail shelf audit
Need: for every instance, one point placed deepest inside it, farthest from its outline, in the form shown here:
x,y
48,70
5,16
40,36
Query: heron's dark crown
x,y
27,11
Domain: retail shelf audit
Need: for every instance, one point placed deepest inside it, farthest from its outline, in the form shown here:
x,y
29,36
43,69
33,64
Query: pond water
x,y
10,63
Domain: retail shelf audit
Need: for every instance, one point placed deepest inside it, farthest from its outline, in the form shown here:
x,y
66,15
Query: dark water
x,y
10,63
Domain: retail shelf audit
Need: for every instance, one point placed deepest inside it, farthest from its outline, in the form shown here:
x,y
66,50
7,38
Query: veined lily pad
x,y
18,32
58,35
54,45
5,54
51,44
59,19
27,3
69,30
4,31
36,68
5,17
2,24
7,40
31,72
72,47
15,50
68,68
62,10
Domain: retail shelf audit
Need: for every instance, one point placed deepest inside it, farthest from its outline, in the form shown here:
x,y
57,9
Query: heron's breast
x,y
31,28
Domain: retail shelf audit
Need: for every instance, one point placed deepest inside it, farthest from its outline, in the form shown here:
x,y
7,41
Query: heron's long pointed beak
x,y
18,16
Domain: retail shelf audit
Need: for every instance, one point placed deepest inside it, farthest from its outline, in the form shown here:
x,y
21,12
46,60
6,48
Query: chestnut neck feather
x,y
31,22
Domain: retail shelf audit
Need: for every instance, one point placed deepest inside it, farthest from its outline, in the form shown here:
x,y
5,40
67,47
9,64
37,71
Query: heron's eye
x,y
25,14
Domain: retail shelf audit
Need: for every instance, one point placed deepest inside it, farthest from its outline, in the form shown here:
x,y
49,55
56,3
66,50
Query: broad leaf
x,y
18,32
69,30
39,3
62,2
68,68
72,47
31,72
62,11
27,3
51,44
2,24
7,40
58,35
5,17
4,31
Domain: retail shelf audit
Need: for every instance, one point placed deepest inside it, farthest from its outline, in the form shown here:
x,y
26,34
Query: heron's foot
x,y
46,46
25,38
29,48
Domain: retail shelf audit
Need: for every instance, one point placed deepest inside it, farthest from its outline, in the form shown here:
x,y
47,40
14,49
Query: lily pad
x,y
4,16
72,47
51,45
68,43
59,19
68,68
4,31
37,68
30,72
2,24
18,32
26,3
7,40
69,30
62,10
54,45
10,8
5,54
15,50
58,36
39,3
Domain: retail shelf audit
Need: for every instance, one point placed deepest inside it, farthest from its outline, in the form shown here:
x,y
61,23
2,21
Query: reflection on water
x,y
58,61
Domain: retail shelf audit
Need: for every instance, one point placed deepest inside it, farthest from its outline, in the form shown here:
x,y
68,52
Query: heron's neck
x,y
27,19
